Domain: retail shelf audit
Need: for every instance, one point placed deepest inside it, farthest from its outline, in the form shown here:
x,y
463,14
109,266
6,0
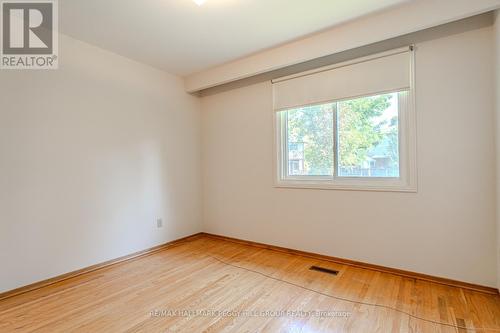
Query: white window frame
x,y
407,180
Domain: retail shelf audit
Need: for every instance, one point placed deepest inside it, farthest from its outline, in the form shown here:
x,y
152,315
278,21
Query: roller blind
x,y
390,71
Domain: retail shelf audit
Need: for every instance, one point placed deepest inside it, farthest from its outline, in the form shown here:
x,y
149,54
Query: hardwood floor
x,y
205,275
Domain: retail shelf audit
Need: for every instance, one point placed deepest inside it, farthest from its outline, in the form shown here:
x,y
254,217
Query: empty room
x,y
250,166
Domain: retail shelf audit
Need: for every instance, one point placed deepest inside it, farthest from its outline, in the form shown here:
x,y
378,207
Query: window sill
x,y
349,185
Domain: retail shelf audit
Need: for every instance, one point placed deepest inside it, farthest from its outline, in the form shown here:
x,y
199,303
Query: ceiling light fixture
x,y
199,2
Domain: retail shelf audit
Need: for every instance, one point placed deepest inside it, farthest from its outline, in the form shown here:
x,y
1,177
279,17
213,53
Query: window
x,y
368,136
364,142
351,138
310,140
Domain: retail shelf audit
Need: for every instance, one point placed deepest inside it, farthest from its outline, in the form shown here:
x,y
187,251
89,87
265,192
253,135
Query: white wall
x,y
497,86
90,155
446,229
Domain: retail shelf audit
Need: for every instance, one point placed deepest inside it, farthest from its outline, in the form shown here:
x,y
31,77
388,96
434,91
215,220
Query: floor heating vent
x,y
324,270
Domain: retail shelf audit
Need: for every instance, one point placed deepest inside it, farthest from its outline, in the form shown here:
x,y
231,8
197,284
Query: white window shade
x,y
389,71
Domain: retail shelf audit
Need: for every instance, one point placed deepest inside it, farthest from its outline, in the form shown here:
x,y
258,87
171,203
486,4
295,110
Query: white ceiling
x,y
183,38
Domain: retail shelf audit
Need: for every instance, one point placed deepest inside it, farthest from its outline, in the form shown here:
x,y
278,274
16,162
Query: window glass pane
x,y
368,136
310,140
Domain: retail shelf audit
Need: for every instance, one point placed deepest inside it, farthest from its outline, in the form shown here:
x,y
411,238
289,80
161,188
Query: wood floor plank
x,y
254,290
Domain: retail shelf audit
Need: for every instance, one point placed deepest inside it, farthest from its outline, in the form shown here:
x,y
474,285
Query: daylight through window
x,y
352,138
